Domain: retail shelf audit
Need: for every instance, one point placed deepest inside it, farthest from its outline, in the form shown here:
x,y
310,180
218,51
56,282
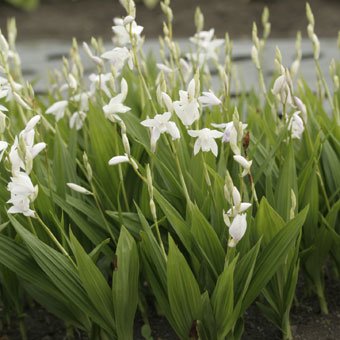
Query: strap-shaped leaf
x,y
183,290
125,284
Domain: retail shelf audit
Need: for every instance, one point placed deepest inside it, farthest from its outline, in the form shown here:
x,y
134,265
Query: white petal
x,y
32,123
238,228
243,162
78,188
118,160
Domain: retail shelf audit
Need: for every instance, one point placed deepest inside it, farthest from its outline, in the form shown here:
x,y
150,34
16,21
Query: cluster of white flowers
x,y
9,89
207,47
235,218
283,90
21,156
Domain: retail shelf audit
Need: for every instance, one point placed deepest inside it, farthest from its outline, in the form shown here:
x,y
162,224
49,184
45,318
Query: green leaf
x,y
94,284
223,301
125,285
184,294
287,182
273,256
207,240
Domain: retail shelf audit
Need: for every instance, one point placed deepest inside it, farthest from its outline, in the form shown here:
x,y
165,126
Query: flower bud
x,y
153,209
199,20
126,144
79,189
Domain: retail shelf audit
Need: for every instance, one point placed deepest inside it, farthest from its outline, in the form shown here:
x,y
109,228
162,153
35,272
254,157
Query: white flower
x,y
244,163
32,123
205,140
282,88
99,81
123,28
187,107
119,159
301,107
7,89
118,57
58,109
22,194
79,188
83,99
116,103
3,118
230,134
238,206
164,68
209,99
296,125
3,147
93,57
3,108
167,101
23,151
206,42
77,120
161,124
186,69
237,229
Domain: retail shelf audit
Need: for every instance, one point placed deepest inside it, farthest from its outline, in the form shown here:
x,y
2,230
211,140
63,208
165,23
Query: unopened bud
x,y
309,14
199,20
126,144
255,57
293,204
336,83
149,180
153,209
228,188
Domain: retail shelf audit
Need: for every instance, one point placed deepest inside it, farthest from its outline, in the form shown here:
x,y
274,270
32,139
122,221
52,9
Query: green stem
x,y
286,328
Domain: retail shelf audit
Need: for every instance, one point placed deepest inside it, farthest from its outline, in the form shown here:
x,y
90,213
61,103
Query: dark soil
x,y
64,19
307,322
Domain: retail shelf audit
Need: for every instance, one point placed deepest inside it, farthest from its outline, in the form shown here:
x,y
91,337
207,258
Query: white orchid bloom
x,y
116,104
31,124
186,68
161,124
167,101
79,189
119,159
296,125
31,150
205,41
166,69
209,99
282,88
238,206
97,60
205,140
230,134
3,108
301,107
244,163
237,229
123,28
3,147
22,194
118,57
58,109
99,81
83,100
187,108
7,89
77,120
